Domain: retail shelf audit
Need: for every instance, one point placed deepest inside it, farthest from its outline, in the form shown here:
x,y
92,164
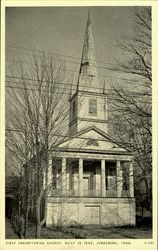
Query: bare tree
x,y
132,101
36,122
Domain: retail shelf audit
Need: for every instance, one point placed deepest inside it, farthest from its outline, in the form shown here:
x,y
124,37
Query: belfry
x,y
90,175
88,104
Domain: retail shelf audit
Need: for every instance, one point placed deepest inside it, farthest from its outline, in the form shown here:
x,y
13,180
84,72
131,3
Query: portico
x,y
92,177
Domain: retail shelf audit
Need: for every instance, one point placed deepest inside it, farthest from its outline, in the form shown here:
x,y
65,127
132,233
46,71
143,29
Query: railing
x,y
111,193
88,193
70,192
92,193
75,192
125,193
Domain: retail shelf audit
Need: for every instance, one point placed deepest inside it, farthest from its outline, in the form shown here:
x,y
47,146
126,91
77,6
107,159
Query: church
x,y
90,175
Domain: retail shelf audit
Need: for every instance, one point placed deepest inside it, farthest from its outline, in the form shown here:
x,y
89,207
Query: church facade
x,y
91,176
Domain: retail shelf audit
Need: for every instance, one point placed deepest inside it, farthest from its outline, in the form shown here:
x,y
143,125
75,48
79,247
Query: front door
x,y
92,214
86,186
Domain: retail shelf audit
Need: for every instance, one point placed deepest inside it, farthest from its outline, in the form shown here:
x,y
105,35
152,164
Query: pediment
x,y
91,139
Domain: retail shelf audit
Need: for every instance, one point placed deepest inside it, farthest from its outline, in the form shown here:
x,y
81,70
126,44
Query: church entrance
x,y
92,214
86,186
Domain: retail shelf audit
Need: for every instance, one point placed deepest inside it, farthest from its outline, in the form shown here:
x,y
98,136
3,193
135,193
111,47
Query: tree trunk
x,y
26,216
38,225
27,208
38,231
26,222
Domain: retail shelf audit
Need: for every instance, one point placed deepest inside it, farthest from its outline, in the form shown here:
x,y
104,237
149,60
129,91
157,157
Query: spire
x,y
88,60
87,104
88,75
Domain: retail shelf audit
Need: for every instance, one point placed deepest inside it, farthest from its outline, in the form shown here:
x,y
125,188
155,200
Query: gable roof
x,y
93,140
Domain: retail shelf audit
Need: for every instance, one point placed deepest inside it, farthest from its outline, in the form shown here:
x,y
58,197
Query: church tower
x,y
88,105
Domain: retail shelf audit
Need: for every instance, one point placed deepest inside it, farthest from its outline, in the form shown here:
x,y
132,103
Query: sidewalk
x,y
9,232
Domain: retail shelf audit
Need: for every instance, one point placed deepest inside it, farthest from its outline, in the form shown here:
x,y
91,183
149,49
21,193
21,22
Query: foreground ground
x,y
95,233
9,231
86,232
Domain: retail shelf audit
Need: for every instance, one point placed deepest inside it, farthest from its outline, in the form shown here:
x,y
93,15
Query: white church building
x,y
91,175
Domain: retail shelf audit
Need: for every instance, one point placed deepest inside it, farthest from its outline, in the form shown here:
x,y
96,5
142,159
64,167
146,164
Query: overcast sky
x,y
62,29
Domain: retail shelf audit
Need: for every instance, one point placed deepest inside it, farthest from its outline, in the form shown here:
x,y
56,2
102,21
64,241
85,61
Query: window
x,y
73,109
92,106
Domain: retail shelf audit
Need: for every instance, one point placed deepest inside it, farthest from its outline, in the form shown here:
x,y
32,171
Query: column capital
x,y
80,160
63,159
118,164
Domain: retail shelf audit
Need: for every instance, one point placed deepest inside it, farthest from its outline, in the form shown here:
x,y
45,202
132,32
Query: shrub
x,y
78,233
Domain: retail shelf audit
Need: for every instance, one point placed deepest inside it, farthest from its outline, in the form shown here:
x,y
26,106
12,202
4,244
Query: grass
x,y
92,232
143,230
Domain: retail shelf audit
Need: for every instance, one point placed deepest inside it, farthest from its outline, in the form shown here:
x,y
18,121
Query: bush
x,y
78,233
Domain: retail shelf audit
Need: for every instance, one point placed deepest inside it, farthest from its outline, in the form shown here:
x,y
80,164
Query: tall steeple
x,y
88,104
88,75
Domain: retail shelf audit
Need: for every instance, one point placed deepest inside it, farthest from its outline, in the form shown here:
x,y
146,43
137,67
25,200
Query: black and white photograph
x,y
78,122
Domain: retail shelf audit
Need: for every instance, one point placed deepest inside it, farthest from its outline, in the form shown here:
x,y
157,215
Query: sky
x,y
62,29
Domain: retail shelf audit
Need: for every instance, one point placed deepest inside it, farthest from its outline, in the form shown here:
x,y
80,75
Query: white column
x,y
76,183
131,181
67,177
49,177
103,191
70,179
98,181
119,179
63,175
80,177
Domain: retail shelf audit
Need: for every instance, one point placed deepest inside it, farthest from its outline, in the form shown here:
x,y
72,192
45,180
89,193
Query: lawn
x,y
143,230
93,232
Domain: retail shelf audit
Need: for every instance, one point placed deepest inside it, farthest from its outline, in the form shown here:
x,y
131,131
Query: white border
x,y
150,244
